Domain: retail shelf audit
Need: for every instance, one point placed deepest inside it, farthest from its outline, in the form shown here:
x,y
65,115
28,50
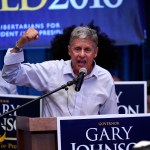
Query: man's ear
x,y
96,52
69,50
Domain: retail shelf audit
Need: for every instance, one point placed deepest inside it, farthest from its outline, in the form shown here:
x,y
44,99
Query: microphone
x,y
80,78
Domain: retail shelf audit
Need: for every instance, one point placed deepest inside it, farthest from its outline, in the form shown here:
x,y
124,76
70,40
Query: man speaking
x,y
94,91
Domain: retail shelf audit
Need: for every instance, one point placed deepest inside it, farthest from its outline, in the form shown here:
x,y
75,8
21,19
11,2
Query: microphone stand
x,y
65,86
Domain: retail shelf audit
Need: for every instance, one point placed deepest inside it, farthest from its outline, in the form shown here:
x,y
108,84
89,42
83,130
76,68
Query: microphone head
x,y
83,70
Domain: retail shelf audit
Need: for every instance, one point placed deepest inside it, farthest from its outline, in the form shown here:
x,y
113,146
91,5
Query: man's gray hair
x,y
83,32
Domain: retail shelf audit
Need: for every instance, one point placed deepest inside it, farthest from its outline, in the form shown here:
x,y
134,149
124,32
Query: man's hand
x,y
30,35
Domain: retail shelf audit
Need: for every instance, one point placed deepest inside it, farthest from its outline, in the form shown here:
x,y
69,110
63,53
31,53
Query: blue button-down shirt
x,y
6,88
96,96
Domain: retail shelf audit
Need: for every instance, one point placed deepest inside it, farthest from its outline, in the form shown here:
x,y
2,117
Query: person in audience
x,y
96,95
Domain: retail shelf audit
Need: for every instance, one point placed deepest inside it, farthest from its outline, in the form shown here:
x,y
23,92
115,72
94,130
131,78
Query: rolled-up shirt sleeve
x,y
13,58
25,74
12,62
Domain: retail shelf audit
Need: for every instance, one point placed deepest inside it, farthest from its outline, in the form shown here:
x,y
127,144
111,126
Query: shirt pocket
x,y
94,102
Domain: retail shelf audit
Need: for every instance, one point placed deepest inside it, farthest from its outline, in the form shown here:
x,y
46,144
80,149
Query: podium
x,y
36,133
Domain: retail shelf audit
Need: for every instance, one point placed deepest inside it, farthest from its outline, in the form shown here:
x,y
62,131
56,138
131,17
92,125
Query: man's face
x,y
82,53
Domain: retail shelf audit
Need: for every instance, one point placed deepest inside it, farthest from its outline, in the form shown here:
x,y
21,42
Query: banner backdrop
x,y
121,20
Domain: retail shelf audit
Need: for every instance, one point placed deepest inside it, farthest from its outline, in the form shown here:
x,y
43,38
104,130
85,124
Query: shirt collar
x,y
68,70
94,72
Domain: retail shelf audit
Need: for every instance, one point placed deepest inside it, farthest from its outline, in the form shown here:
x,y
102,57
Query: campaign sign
x,y
8,138
132,97
103,132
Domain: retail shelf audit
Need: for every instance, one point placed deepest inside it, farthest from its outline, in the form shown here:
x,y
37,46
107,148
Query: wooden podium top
x,y
36,124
